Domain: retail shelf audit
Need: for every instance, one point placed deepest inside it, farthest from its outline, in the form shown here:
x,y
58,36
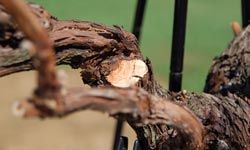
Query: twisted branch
x,y
132,104
44,53
135,105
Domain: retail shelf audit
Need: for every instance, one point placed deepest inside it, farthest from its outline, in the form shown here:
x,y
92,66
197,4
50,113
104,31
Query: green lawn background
x,y
208,30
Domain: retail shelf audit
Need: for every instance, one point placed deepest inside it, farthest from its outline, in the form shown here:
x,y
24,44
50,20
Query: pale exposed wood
x,y
127,73
104,52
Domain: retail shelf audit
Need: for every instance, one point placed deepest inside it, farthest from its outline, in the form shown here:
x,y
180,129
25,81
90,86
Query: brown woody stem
x,y
44,54
132,104
135,105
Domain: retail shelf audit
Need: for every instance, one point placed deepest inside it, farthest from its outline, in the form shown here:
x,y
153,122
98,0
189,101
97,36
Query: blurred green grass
x,y
208,30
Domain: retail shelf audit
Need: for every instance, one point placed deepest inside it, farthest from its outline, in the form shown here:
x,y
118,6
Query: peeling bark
x,y
134,105
230,71
161,119
228,78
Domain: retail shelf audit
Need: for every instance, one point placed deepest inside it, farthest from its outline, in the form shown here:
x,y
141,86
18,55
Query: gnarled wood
x,y
230,71
228,74
99,51
134,105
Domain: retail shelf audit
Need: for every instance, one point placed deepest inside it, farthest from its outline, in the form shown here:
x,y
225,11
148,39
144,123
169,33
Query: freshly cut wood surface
x,y
161,119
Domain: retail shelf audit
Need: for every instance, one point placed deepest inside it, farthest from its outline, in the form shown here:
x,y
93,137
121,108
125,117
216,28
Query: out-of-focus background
x,y
208,33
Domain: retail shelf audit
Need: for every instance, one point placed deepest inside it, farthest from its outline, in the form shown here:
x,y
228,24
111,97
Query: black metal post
x,y
139,15
136,145
138,20
245,10
118,132
178,42
123,143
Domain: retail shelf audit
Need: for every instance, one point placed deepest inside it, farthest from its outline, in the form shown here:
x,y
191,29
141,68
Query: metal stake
x,y
178,42
138,20
140,9
136,145
245,10
123,143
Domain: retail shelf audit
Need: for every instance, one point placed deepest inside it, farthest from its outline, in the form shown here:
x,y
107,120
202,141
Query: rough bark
x,y
229,74
155,114
230,71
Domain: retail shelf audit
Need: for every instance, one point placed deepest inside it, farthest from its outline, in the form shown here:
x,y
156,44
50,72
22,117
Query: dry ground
x,y
83,130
